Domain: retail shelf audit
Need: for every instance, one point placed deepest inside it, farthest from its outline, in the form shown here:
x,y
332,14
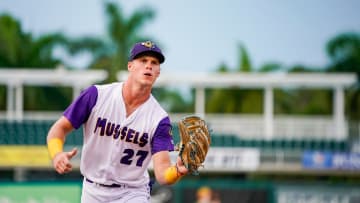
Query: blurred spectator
x,y
215,197
207,195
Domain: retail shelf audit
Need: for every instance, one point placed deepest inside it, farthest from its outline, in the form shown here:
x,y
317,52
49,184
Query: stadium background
x,y
278,135
305,158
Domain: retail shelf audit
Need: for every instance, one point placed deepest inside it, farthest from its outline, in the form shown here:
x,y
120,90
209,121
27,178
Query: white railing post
x,y
200,101
19,107
339,113
10,102
269,113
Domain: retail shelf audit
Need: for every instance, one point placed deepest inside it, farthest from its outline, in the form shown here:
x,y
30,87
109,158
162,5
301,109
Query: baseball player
x,y
124,127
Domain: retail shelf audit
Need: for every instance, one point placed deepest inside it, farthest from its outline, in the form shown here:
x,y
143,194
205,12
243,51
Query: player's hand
x,y
61,161
181,167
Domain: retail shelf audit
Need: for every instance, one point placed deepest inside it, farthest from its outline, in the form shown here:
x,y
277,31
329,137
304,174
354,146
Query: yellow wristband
x,y
172,175
55,145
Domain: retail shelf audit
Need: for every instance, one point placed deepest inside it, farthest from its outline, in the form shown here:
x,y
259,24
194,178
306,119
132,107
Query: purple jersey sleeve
x,y
162,140
79,110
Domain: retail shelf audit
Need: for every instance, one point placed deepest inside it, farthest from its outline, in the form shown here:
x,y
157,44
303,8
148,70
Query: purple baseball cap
x,y
143,48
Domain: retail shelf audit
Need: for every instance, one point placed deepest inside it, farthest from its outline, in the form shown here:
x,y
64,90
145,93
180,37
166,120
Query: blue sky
x,y
199,35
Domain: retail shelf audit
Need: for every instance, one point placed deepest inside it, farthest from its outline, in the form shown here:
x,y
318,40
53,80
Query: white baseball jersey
x,y
118,149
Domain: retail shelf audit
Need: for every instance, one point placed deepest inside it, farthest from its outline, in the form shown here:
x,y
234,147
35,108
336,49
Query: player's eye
x,y
155,62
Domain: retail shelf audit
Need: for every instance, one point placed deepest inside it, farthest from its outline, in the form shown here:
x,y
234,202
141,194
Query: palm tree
x,y
21,50
244,60
112,54
344,53
235,100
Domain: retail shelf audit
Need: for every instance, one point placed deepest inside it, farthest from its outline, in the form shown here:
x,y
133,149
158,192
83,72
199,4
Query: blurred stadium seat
x,y
316,144
32,132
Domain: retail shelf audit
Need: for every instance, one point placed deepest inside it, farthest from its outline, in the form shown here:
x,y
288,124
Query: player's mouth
x,y
148,74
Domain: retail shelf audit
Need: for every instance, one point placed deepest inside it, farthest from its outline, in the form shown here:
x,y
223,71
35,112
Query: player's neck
x,y
134,96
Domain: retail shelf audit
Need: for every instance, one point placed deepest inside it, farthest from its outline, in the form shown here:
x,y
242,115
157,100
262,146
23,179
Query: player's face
x,y
145,69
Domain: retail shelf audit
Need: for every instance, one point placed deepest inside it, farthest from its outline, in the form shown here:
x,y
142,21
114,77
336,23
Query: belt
x,y
104,185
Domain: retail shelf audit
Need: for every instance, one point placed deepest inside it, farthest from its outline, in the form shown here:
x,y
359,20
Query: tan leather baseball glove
x,y
194,142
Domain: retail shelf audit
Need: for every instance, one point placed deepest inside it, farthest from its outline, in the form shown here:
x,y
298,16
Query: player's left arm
x,y
162,142
165,172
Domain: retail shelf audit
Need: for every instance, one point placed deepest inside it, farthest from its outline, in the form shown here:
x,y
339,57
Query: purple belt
x,y
103,185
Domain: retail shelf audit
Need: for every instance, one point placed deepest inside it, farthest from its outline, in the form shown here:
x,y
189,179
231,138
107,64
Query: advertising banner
x,y
329,160
227,159
232,159
30,156
24,156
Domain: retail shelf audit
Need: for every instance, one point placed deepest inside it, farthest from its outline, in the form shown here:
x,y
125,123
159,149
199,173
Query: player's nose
x,y
148,66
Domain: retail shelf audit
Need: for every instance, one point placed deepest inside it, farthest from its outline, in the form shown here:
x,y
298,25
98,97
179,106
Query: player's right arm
x,y
55,142
73,117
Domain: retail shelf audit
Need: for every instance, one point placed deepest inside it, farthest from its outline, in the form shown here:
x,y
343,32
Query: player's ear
x,y
129,65
158,72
